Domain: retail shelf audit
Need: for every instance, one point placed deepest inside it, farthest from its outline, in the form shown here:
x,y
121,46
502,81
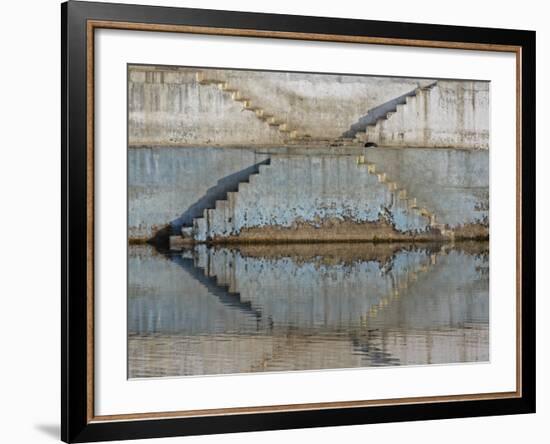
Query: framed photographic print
x,y
275,221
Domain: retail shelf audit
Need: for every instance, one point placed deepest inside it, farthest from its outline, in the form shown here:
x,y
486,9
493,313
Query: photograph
x,y
296,222
285,221
308,222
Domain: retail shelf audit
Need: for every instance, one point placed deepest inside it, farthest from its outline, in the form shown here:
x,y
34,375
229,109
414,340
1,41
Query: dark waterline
x,y
302,307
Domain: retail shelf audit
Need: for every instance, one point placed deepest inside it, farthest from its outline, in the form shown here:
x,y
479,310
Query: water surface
x,y
301,307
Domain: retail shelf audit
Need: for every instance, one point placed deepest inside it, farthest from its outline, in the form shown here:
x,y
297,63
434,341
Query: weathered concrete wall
x,y
453,184
176,185
448,114
308,191
168,106
172,108
173,185
300,197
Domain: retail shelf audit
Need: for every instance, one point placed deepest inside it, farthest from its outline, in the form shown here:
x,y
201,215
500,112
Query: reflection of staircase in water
x,y
377,355
436,302
374,353
221,290
236,280
399,288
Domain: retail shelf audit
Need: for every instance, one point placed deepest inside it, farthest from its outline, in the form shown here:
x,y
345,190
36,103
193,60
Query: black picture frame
x,y
76,423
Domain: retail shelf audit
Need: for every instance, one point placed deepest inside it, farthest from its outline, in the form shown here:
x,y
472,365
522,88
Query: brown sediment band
x,y
337,231
349,231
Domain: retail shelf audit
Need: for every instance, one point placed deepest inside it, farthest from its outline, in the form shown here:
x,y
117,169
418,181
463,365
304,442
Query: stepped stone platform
x,y
225,155
379,195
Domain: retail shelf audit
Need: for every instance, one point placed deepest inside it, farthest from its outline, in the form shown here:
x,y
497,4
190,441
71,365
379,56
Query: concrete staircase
x,y
220,215
373,130
223,220
285,128
213,211
403,195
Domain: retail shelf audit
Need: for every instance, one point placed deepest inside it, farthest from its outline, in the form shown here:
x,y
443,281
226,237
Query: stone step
x,y
232,195
239,98
265,117
284,128
209,214
199,225
272,121
424,212
247,104
410,202
244,186
392,186
372,131
295,134
221,204
428,87
263,168
203,80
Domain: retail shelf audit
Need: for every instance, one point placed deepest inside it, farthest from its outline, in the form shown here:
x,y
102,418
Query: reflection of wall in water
x,y
162,297
240,313
177,355
284,292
